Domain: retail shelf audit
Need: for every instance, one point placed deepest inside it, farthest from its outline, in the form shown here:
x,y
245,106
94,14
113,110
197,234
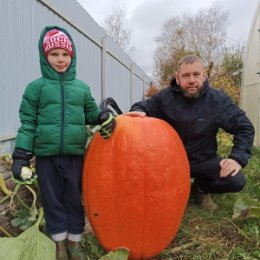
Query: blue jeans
x,y
207,178
60,183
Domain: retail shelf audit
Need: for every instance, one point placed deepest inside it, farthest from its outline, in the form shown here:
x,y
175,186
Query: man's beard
x,y
192,95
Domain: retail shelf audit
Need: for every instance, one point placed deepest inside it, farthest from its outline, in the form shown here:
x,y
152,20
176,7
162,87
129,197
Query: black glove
x,y
108,123
21,158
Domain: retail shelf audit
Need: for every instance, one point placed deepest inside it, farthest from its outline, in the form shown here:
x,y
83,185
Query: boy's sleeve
x,y
91,110
28,118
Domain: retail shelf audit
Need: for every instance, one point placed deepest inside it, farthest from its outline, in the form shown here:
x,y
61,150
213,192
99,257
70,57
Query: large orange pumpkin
x,y
136,185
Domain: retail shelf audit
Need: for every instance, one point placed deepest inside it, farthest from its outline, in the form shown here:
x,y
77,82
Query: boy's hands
x,y
26,173
21,164
108,123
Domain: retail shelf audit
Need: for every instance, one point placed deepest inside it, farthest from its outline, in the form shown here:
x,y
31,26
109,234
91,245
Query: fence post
x,y
104,68
131,84
143,86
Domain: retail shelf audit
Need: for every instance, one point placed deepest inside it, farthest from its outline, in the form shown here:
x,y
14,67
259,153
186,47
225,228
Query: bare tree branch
x,y
115,24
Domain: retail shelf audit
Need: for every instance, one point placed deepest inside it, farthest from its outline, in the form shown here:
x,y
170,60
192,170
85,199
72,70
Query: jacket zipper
x,y
62,116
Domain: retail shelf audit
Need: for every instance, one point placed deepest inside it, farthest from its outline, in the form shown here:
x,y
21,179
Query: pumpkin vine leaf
x,y
245,208
121,253
29,245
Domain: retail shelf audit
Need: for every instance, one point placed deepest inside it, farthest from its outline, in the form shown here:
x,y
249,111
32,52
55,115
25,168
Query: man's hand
x,y
135,114
229,166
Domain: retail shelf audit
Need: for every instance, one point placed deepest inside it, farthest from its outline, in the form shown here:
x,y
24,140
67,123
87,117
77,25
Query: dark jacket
x,y
197,121
55,109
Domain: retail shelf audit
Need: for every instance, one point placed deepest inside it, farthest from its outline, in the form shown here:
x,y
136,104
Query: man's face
x,y
190,78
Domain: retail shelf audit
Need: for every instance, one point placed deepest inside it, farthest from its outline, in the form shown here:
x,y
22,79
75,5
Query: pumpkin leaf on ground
x,y
244,208
23,219
30,245
121,253
92,246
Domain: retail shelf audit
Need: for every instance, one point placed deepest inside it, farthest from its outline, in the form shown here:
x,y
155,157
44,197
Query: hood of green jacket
x,y
47,71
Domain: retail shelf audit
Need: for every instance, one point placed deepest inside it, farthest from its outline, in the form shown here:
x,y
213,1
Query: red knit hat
x,y
56,39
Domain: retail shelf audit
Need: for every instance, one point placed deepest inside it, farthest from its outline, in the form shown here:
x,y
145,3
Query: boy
x,y
54,111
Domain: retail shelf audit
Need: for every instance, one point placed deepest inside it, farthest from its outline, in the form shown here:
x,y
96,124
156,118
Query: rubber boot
x,y
203,199
76,251
61,250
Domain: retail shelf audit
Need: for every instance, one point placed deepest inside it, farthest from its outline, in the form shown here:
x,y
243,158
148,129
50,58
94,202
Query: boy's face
x,y
59,59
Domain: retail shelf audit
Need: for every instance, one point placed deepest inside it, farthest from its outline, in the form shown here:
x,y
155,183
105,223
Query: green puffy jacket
x,y
55,109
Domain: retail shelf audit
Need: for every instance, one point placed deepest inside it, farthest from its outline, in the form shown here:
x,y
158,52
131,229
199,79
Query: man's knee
x,y
237,183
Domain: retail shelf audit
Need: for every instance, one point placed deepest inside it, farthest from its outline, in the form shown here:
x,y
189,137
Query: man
x,y
197,111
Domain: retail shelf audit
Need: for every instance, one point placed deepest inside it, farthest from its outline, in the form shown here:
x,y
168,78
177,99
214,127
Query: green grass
x,y
214,235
